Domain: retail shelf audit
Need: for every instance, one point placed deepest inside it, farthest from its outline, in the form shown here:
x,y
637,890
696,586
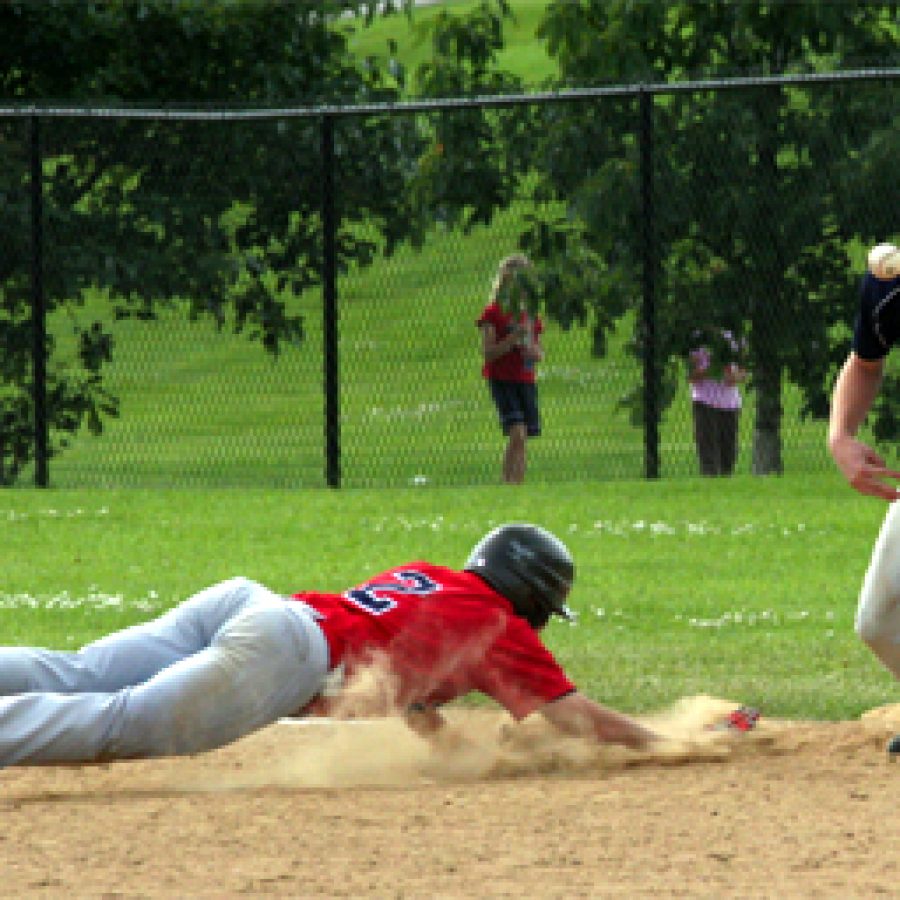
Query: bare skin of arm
x,y
734,375
854,393
574,714
494,349
577,714
534,353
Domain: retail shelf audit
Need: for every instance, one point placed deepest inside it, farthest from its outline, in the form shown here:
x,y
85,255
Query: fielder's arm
x,y
579,715
854,393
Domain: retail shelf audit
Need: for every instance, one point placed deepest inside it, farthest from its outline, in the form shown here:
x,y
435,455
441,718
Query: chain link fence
x,y
380,382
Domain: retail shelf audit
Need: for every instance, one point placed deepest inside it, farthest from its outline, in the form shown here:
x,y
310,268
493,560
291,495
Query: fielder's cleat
x,y
893,748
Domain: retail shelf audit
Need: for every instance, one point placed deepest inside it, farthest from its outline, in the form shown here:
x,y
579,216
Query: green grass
x,y
741,588
523,54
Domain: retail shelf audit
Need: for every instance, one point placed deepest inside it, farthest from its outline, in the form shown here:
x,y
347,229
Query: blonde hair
x,y
507,269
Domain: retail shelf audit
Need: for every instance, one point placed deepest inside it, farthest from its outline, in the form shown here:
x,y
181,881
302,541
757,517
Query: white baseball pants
x,y
228,661
878,613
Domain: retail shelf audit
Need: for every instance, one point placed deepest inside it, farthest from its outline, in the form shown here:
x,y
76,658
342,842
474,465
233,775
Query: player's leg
x,y
878,613
264,663
512,425
514,456
127,657
528,400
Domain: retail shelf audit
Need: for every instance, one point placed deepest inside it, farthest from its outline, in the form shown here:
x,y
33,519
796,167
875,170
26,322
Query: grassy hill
x,y
523,54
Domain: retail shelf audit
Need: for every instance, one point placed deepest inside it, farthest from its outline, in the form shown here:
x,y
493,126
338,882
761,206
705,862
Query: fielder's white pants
x,y
224,663
878,613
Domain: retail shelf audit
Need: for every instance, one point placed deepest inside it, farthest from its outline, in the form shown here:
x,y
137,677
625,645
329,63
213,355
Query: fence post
x,y
648,307
329,309
38,312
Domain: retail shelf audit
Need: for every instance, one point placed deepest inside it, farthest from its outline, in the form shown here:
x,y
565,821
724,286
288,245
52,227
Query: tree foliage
x,y
467,172
145,211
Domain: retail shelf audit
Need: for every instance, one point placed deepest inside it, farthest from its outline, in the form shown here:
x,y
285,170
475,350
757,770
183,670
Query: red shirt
x,y
443,634
512,366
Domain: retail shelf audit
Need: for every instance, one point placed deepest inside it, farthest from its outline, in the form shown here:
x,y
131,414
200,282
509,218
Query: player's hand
x,y
865,469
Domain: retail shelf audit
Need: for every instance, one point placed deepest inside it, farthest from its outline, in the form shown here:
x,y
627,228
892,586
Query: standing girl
x,y
511,345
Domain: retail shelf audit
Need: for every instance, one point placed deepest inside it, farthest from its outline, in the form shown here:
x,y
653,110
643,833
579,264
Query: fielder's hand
x,y
865,469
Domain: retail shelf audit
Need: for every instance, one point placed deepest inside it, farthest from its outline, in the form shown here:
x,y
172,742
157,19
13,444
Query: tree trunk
x,y
769,261
598,342
767,430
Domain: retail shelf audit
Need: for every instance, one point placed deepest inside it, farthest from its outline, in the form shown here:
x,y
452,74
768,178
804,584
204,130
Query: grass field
x,y
742,588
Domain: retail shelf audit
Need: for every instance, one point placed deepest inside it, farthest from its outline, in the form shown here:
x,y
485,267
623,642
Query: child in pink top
x,y
716,402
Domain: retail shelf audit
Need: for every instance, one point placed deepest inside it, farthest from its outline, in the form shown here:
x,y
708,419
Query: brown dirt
x,y
364,809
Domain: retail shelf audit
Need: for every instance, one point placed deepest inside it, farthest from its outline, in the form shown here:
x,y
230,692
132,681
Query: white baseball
x,y
884,261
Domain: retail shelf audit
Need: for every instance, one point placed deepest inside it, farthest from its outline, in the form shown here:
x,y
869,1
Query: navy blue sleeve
x,y
877,324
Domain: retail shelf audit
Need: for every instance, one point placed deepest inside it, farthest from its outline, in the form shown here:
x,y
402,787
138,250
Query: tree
x,y
470,168
759,191
146,211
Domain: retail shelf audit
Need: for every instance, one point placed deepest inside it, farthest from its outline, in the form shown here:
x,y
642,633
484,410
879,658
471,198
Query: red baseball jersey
x,y
512,366
443,633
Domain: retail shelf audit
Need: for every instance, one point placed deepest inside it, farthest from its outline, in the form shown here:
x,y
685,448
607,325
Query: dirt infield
x,y
365,809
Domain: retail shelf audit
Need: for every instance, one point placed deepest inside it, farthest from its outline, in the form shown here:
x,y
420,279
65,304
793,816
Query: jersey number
x,y
371,597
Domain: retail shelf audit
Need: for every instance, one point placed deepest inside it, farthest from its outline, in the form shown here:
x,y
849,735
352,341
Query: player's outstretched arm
x,y
577,714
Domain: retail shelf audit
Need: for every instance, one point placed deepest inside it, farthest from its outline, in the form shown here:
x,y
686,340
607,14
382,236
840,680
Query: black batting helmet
x,y
529,566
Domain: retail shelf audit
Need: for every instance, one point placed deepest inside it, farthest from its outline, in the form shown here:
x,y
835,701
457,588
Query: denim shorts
x,y
517,403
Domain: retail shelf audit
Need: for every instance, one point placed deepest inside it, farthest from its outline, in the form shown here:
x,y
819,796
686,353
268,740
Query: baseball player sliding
x,y
236,657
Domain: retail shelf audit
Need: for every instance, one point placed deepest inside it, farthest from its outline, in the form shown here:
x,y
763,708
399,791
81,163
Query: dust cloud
x,y
485,744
